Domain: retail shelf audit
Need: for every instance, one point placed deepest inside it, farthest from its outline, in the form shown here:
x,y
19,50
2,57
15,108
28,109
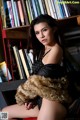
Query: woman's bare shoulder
x,y
55,55
57,49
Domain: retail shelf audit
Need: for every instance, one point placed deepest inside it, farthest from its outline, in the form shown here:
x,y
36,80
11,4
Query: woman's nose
x,y
41,34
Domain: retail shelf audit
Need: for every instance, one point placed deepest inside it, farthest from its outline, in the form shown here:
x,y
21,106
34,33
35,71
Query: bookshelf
x,y
19,35
11,37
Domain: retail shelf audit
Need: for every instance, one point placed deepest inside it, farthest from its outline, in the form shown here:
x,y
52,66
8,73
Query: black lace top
x,y
48,70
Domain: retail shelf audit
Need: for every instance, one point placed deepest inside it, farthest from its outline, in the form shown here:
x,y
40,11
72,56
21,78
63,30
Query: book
x,y
23,3
19,63
4,72
11,16
6,19
17,13
1,46
28,11
14,13
41,7
29,58
57,8
37,7
44,6
34,8
47,7
24,62
3,17
21,14
52,9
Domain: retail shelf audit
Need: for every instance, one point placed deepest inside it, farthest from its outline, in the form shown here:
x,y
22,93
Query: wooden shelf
x,y
23,33
16,33
69,22
11,85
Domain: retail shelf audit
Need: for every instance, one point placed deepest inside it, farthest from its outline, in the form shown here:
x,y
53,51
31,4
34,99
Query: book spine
x,y
14,12
20,12
61,10
34,8
18,61
57,9
28,11
41,7
23,2
17,13
50,7
6,14
37,7
53,9
44,6
47,7
29,60
11,16
5,72
66,10
24,62
3,16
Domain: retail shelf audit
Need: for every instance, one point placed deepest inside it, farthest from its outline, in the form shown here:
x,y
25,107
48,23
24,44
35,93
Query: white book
x,y
56,4
14,12
47,7
29,58
41,6
34,8
53,9
50,8
17,15
19,63
24,62
66,10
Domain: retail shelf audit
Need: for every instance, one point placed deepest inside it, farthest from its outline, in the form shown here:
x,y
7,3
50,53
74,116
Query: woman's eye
x,y
36,33
44,29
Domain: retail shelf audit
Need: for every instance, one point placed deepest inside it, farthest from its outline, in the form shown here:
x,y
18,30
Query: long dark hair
x,y
36,45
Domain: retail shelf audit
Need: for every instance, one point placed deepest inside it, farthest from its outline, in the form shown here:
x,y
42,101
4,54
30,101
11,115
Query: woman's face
x,y
44,33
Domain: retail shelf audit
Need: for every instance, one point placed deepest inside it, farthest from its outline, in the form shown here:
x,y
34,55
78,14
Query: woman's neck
x,y
47,47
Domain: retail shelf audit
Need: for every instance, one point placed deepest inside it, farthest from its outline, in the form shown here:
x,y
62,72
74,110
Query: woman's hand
x,y
30,105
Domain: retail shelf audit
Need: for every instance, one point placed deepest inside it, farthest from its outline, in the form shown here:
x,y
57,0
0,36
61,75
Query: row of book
x,y
21,12
24,61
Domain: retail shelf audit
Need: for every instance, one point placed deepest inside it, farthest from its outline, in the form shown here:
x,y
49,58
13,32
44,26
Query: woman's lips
x,y
44,40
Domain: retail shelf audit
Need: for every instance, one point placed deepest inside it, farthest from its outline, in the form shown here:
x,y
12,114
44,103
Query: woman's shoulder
x,y
57,49
55,55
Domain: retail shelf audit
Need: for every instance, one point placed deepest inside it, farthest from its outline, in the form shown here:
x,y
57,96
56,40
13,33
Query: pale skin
x,y
50,110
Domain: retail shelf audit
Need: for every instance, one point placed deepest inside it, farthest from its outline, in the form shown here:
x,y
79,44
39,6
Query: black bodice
x,y
48,70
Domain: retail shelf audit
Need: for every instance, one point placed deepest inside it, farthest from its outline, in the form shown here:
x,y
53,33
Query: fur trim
x,y
52,89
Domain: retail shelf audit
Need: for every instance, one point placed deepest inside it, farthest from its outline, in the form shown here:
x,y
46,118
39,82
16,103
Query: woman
x,y
48,59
